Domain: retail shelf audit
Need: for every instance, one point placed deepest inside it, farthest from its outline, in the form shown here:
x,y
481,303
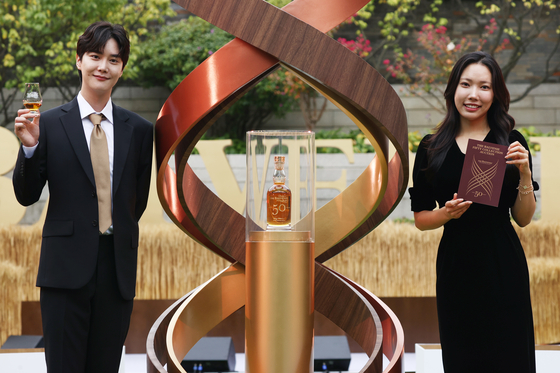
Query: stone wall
x,y
541,108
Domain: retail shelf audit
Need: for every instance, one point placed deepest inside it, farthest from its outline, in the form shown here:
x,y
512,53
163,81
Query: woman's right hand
x,y
433,219
455,208
26,127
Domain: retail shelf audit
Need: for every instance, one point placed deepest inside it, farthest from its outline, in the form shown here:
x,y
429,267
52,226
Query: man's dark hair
x,y
96,37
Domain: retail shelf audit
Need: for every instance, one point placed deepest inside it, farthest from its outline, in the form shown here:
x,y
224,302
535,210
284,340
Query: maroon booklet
x,y
483,173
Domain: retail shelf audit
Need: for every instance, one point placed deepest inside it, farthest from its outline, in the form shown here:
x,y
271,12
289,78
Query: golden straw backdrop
x,y
170,264
394,260
11,278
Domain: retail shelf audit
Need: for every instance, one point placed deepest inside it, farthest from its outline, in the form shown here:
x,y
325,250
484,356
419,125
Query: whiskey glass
x,y
32,98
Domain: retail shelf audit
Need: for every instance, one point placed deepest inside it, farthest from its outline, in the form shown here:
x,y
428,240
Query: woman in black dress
x,y
483,299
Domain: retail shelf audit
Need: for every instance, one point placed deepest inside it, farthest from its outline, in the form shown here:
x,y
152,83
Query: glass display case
x,y
280,184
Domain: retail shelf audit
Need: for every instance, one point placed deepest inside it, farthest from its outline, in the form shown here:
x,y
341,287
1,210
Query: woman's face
x,y
474,94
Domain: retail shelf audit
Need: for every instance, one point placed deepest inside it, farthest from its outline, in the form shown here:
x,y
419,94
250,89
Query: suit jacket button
x,y
93,194
94,223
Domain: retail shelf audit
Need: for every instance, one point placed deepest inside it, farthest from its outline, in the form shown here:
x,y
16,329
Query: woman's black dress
x,y
483,299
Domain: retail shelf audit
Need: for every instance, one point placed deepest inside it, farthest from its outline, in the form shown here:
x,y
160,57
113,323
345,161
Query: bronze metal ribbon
x,y
294,37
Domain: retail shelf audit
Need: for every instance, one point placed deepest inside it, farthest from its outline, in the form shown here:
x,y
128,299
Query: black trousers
x,y
84,329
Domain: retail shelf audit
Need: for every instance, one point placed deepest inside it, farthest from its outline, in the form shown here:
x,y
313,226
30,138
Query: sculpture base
x,y
279,308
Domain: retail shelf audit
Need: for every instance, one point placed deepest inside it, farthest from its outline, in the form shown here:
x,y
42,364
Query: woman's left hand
x,y
519,156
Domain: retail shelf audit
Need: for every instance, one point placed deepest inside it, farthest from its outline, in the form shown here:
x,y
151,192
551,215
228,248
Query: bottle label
x,y
279,208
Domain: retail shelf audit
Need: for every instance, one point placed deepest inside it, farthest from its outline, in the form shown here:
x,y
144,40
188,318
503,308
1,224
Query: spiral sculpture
x,y
268,37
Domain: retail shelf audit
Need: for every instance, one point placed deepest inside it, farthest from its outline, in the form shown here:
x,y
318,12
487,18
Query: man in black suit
x,y
87,268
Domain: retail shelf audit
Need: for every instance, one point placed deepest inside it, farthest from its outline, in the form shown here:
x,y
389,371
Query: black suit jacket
x,y
70,234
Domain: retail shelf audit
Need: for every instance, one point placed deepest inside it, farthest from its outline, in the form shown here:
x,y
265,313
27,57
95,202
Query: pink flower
x,y
386,62
210,52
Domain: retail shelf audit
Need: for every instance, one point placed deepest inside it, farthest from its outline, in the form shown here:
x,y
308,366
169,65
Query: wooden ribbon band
x,y
293,36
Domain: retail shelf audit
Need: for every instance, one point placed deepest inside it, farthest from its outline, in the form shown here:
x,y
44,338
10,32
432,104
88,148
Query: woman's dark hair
x,y
500,122
96,37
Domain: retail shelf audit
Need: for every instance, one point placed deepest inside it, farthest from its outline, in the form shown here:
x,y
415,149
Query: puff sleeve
x,y
422,192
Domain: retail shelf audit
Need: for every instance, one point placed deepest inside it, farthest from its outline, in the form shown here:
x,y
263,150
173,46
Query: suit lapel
x,y
72,123
123,137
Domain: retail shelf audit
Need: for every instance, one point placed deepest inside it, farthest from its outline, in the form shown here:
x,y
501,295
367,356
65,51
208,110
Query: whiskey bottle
x,y
279,199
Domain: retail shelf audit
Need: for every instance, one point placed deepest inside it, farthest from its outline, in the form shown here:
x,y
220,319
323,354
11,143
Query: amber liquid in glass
x,y
279,199
33,106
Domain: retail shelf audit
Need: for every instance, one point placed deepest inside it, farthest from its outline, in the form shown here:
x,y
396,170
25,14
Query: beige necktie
x,y
99,152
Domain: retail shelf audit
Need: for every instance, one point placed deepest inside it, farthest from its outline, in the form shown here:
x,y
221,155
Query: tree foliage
x,y
520,24
170,55
506,29
306,97
390,29
38,40
426,76
383,26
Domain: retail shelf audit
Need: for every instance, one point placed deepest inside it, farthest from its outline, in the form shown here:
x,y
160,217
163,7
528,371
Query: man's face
x,y
100,71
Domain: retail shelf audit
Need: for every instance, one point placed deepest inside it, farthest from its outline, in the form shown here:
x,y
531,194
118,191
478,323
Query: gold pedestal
x,y
279,303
